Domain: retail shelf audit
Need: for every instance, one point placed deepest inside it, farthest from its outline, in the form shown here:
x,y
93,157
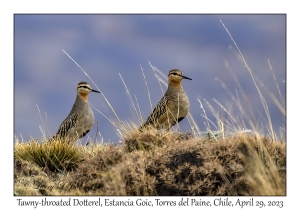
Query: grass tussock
x,y
151,138
56,155
240,165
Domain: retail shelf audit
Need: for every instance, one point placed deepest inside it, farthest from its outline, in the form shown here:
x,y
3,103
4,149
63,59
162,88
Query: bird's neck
x,y
83,96
175,84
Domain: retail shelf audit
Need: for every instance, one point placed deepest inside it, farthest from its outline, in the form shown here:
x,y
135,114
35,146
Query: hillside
x,y
153,163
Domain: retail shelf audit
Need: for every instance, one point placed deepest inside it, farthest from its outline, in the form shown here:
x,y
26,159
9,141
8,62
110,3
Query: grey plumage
x,y
173,106
81,118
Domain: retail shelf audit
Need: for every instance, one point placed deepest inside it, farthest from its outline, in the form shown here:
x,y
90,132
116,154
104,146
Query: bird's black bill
x,y
95,91
184,77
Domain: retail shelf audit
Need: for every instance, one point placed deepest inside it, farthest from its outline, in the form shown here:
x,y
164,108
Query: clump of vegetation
x,y
56,155
150,139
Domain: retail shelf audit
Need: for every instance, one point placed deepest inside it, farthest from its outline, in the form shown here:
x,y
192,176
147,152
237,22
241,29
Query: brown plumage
x,y
173,106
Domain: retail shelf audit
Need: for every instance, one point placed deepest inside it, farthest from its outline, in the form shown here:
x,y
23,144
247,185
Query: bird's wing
x,y
159,110
67,124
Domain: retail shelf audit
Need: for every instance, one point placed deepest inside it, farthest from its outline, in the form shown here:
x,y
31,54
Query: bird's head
x,y
84,88
175,76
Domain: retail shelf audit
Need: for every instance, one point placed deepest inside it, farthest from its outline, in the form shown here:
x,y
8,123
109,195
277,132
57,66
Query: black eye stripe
x,y
84,87
175,74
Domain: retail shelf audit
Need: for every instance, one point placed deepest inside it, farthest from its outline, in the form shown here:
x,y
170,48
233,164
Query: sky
x,y
110,48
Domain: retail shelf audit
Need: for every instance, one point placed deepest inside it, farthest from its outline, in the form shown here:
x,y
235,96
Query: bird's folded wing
x,y
158,111
67,124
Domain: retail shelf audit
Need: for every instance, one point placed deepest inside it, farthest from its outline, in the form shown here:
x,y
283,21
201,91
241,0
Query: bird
x,y
81,117
173,106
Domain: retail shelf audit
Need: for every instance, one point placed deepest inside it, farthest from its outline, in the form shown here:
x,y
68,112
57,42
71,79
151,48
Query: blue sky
x,y
108,45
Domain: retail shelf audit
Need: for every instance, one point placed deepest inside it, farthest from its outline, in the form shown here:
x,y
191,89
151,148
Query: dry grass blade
x,y
160,79
147,89
127,91
264,168
94,85
265,106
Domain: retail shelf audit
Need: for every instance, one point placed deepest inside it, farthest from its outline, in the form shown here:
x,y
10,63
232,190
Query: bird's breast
x,y
181,104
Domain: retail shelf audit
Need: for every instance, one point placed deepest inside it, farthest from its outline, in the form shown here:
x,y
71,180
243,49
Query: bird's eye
x,y
84,87
177,74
